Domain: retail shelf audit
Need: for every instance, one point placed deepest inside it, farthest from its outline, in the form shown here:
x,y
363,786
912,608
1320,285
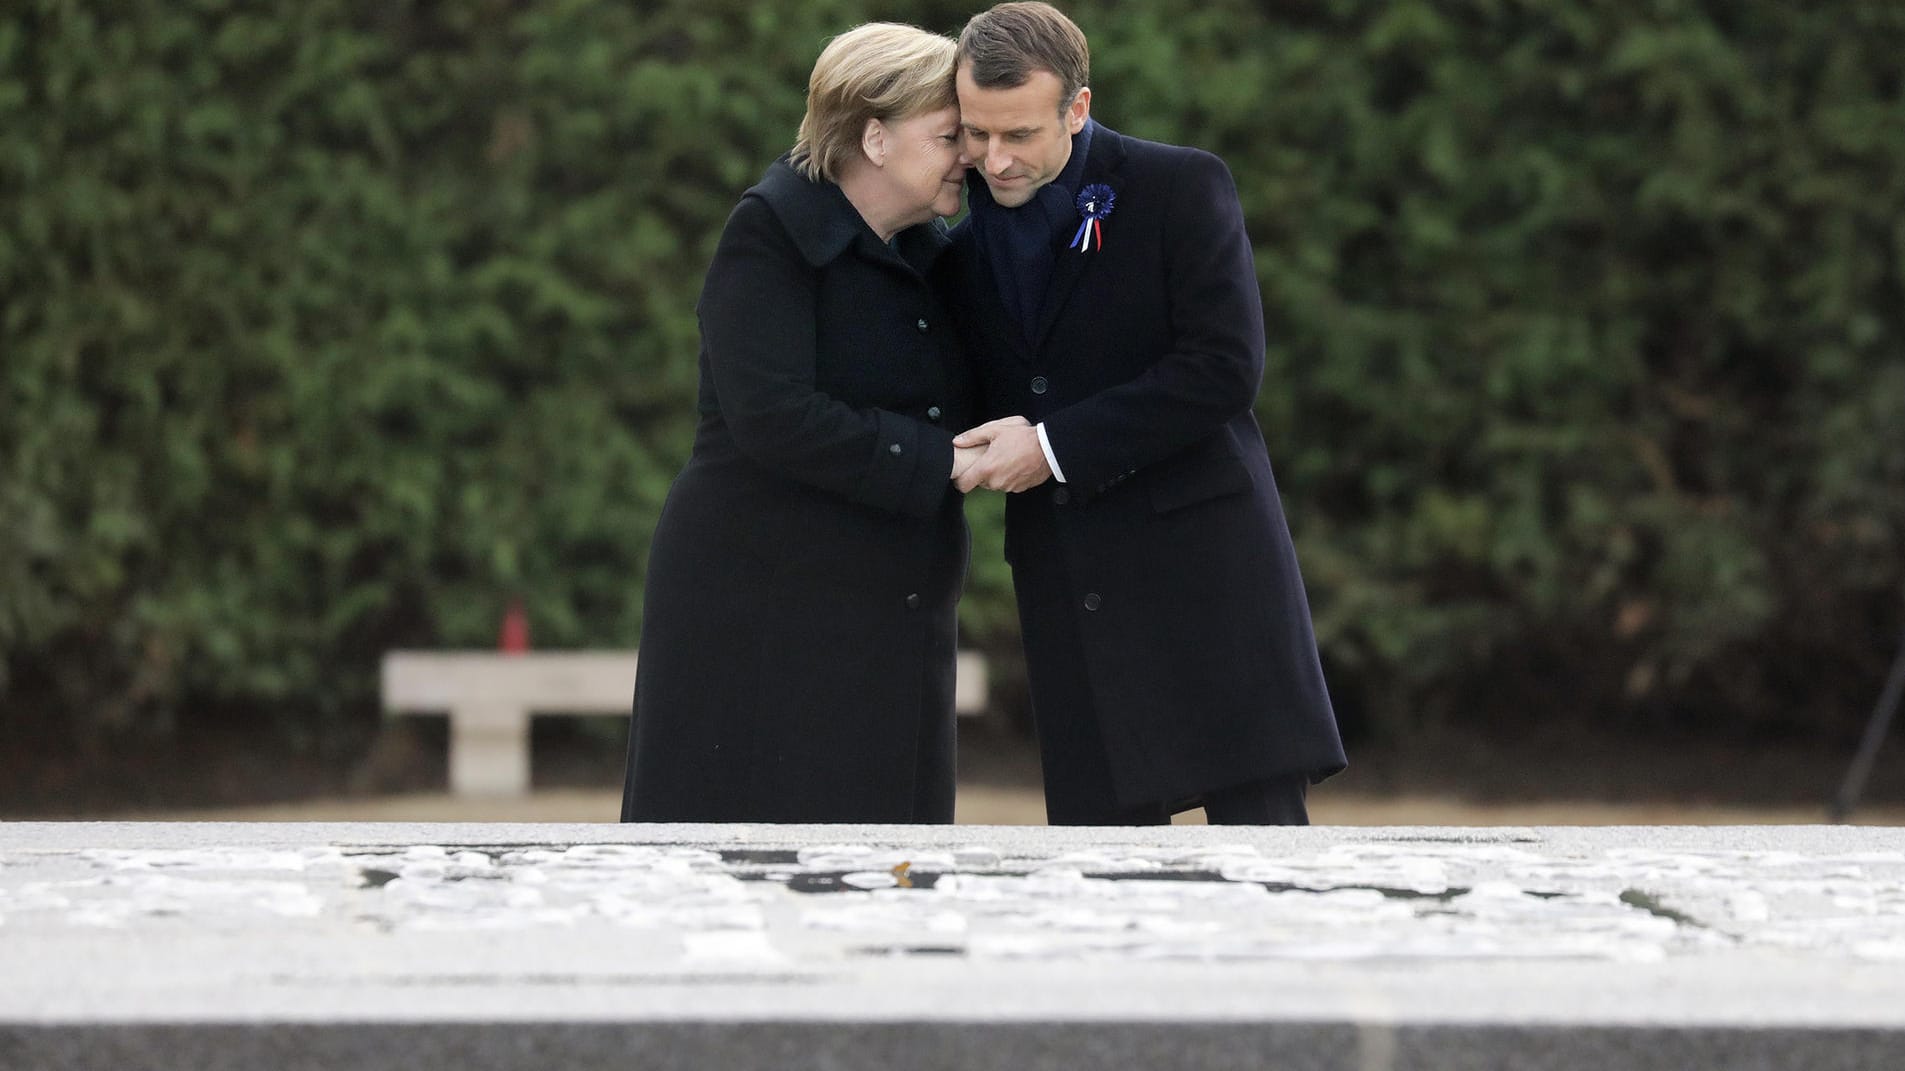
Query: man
x,y
1105,286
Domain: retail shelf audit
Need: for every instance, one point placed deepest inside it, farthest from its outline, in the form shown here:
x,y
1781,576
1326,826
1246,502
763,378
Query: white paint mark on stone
x,y
750,947
1364,900
1887,951
885,917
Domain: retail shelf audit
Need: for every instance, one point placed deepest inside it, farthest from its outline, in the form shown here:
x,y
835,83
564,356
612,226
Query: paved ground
x,y
220,947
1465,782
1017,805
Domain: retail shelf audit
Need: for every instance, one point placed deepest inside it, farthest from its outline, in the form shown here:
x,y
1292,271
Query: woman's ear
x,y
873,142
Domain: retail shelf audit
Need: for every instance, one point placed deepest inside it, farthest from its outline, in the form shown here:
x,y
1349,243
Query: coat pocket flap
x,y
1210,474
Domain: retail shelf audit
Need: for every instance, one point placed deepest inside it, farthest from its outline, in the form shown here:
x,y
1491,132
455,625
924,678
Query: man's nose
x,y
997,162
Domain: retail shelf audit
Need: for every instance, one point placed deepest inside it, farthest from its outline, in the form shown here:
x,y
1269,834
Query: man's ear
x,y
1079,111
873,142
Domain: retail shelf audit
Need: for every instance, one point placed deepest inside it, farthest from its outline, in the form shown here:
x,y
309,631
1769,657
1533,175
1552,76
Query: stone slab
x,y
515,946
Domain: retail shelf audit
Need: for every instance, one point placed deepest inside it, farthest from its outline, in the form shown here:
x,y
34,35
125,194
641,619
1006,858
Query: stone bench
x,y
490,698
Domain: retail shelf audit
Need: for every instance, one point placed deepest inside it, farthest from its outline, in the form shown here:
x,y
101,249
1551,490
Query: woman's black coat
x,y
798,625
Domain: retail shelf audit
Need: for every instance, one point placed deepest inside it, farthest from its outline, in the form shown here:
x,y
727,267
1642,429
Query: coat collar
x,y
824,224
1103,160
1105,157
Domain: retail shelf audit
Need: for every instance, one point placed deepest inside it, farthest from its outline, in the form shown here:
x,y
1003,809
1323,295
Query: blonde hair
x,y
881,70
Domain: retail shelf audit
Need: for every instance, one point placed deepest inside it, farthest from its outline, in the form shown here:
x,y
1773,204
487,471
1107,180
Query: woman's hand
x,y
963,457
1014,461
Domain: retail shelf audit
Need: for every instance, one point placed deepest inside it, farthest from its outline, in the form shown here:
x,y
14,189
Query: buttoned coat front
x,y
1158,587
798,622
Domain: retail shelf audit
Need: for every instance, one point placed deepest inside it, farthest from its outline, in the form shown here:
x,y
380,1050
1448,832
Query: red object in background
x,y
514,636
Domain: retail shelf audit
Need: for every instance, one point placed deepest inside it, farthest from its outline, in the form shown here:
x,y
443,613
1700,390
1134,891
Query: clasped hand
x,y
1000,455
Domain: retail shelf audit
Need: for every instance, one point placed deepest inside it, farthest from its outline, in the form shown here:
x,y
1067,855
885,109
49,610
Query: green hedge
x,y
332,328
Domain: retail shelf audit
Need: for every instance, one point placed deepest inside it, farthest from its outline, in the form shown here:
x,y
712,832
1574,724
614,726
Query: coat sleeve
x,y
758,330
1215,364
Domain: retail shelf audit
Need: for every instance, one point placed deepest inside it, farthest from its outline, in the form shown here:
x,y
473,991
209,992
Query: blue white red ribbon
x,y
1094,203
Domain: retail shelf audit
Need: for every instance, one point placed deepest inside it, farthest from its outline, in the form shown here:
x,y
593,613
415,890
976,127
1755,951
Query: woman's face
x,y
923,162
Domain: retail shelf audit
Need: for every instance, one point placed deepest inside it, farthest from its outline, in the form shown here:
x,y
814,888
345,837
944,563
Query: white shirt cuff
x,y
1050,458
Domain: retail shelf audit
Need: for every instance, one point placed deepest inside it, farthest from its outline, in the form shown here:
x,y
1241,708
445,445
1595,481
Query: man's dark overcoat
x,y
1158,588
798,625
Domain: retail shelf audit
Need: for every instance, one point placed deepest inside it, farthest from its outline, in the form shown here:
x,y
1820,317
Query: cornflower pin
x,y
1095,202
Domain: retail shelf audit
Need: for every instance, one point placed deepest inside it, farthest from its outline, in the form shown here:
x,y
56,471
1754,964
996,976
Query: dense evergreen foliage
x,y
330,327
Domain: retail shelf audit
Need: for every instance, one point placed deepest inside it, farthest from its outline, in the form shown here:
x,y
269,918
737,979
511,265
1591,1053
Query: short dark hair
x,y
1009,43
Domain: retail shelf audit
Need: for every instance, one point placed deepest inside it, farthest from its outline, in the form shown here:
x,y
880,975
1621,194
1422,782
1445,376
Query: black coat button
x,y
932,413
922,325
895,449
1092,601
912,602
1061,496
1038,384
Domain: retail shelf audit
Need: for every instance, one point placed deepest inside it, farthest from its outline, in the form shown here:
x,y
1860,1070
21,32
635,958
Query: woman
x,y
798,632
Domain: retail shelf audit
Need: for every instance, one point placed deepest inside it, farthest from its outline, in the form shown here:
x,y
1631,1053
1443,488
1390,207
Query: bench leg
x,y
489,751
969,683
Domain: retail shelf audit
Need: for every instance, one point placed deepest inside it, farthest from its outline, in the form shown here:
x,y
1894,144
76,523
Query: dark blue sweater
x,y
1019,243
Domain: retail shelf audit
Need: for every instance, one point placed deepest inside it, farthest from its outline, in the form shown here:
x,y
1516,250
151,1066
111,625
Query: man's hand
x,y
1013,461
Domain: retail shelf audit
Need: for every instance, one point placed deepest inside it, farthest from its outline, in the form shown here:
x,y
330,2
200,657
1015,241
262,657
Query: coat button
x,y
922,325
932,413
895,450
1092,601
912,602
1038,384
1061,496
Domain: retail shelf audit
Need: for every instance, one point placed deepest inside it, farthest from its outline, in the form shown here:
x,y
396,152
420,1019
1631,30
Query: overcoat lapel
x,y
1068,264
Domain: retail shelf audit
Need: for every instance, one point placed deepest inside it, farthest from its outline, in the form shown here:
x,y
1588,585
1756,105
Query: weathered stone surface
x,y
516,946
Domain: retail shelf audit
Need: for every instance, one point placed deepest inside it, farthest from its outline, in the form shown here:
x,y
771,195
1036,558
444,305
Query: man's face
x,y
1019,138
